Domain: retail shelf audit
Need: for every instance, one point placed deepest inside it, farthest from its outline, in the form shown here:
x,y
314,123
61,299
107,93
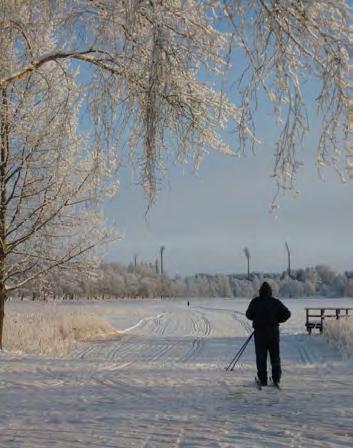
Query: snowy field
x,y
162,383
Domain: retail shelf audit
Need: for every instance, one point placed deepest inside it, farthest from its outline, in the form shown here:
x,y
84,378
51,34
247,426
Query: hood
x,y
265,290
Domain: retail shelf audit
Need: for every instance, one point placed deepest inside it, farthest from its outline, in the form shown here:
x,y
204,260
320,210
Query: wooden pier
x,y
315,316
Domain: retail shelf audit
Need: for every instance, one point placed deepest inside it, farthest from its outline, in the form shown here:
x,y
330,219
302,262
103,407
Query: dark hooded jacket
x,y
265,311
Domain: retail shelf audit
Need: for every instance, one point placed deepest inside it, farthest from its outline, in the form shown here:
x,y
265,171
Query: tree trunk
x,y
4,157
2,312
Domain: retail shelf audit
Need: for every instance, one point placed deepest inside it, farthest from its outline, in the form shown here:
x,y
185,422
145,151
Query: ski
x,y
273,384
257,384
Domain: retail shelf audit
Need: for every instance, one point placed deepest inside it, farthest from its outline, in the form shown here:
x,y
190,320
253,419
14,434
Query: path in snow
x,y
163,384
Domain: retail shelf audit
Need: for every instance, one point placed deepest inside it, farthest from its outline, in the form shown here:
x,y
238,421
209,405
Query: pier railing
x,y
315,316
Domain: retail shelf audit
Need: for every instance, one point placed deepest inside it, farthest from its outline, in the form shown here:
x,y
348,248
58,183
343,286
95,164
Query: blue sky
x,y
206,221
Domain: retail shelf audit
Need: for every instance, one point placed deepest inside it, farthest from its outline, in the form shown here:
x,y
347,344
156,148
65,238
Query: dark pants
x,y
267,340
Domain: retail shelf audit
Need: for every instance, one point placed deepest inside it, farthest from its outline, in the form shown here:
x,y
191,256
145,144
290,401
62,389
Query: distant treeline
x,y
113,280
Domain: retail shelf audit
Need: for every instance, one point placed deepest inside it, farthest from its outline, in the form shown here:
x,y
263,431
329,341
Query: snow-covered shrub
x,y
339,285
222,287
291,288
325,290
244,288
178,287
311,275
339,333
325,273
257,281
199,286
114,280
348,291
309,289
50,330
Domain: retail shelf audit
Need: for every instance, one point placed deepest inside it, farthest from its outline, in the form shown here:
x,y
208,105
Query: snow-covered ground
x,y
162,383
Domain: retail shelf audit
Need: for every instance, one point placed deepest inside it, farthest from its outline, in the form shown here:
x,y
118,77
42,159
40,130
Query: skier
x,y
188,303
267,313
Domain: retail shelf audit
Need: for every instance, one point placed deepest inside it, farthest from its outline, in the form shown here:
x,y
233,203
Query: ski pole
x,y
242,348
238,357
238,354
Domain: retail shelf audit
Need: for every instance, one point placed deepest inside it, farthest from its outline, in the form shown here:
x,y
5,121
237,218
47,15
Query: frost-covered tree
x,y
290,287
284,43
223,286
309,289
348,292
49,178
339,285
243,288
127,71
148,77
142,65
325,273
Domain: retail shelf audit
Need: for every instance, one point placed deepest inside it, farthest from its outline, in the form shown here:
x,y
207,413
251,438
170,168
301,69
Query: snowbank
x,y
50,330
340,333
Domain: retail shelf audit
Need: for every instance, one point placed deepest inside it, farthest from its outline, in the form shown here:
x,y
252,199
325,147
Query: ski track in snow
x,y
162,383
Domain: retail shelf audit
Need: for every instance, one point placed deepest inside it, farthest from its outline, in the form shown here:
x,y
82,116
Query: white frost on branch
x,y
145,68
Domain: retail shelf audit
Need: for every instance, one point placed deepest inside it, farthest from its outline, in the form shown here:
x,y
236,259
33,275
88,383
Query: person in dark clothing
x,y
267,313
